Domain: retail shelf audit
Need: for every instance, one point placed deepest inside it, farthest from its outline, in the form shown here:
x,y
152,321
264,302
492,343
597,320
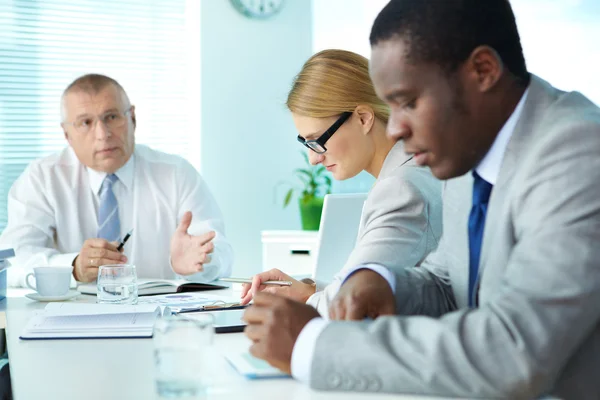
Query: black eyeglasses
x,y
318,145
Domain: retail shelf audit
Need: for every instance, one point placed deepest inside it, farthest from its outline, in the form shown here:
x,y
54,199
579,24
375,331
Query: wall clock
x,y
260,9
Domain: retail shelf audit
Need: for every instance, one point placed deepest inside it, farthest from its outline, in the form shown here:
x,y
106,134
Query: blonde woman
x,y
342,122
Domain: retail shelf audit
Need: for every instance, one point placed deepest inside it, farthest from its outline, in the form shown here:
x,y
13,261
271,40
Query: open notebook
x,y
91,321
151,287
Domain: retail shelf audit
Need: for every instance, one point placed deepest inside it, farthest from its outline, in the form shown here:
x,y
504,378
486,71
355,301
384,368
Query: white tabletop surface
x,y
123,368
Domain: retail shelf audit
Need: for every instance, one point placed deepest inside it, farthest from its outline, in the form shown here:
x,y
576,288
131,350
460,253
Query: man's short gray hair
x,y
92,84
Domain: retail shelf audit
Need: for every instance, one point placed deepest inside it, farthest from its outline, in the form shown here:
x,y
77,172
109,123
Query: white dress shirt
x,y
53,208
488,169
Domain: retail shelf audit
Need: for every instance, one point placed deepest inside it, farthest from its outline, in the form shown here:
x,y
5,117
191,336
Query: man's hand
x,y
190,253
299,291
94,253
274,324
365,294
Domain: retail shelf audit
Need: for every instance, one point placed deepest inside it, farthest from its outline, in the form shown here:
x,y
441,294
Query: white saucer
x,y
37,297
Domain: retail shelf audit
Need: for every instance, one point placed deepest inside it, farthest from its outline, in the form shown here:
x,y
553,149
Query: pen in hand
x,y
246,280
125,239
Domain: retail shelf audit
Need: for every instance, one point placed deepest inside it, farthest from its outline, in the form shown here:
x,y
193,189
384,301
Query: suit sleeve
x,y
401,221
401,224
536,319
426,290
322,298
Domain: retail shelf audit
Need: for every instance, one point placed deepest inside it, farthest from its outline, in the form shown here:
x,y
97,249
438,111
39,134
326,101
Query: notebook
x,y
151,287
4,254
252,367
91,321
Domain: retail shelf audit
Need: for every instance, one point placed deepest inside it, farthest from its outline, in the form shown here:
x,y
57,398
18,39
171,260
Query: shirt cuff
x,y
320,286
304,349
62,259
380,269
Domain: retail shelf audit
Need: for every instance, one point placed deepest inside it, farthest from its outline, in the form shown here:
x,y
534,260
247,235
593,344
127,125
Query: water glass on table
x,y
182,355
117,284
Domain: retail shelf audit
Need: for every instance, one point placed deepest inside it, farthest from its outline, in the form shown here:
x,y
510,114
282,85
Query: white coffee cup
x,y
51,281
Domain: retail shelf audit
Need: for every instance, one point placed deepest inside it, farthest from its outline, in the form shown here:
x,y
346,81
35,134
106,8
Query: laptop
x,y
337,233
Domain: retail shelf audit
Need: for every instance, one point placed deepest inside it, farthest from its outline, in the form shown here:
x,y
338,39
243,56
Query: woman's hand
x,y
298,291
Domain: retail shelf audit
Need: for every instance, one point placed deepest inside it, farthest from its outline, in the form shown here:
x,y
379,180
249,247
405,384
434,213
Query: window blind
x,y
44,45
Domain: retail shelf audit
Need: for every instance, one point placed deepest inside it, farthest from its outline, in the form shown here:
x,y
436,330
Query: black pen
x,y
237,306
125,239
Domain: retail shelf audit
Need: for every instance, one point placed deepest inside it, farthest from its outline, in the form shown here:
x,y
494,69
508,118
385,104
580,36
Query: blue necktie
x,y
481,195
109,227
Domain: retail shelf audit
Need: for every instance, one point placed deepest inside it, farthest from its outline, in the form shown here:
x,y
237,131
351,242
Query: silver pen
x,y
247,280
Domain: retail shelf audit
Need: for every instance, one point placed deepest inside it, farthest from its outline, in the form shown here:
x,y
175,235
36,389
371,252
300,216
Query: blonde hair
x,y
332,82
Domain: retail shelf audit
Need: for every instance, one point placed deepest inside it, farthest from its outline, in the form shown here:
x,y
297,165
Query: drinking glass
x,y
182,355
117,284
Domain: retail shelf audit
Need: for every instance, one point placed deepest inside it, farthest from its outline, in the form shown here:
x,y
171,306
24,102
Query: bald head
x,y
91,84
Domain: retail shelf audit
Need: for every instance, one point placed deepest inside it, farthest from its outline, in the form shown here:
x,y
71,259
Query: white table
x,y
123,368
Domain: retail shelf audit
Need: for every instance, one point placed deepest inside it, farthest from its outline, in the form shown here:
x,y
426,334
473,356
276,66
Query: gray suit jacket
x,y
536,330
401,222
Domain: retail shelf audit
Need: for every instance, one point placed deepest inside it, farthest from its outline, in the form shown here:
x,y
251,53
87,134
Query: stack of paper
x,y
90,321
178,302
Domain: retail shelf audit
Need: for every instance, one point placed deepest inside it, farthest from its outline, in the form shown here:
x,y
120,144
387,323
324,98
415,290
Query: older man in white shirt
x,y
73,207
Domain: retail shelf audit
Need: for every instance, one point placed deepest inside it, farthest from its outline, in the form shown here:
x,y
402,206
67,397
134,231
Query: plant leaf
x,y
301,172
315,182
305,181
319,170
288,197
305,177
305,157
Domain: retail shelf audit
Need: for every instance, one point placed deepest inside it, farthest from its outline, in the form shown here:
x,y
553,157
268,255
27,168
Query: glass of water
x,y
117,284
182,354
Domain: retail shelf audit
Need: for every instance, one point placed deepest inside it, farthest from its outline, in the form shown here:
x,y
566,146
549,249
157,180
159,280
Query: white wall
x,y
560,38
248,137
561,41
344,24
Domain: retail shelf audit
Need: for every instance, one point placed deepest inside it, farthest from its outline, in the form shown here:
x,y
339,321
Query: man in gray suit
x,y
520,319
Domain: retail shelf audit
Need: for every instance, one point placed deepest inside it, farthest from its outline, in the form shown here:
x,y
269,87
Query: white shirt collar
x,y
125,175
489,167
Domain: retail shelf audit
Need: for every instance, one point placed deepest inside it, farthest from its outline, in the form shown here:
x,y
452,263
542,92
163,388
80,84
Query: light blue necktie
x,y
481,196
109,227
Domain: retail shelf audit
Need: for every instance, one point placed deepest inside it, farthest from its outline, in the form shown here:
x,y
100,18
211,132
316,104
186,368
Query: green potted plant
x,y
315,184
